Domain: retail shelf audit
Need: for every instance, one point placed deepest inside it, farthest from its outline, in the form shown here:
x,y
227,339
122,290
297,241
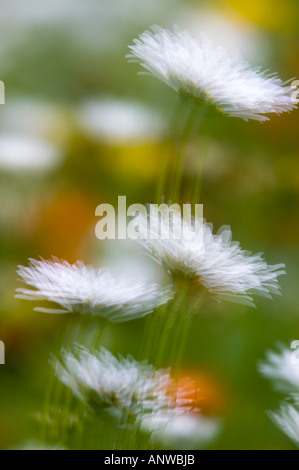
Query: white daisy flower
x,y
282,370
27,154
192,252
124,387
287,419
201,70
177,427
83,289
36,445
120,122
117,385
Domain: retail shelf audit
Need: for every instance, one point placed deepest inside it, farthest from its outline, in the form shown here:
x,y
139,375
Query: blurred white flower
x,y
119,121
36,445
22,153
282,370
117,385
201,70
215,262
176,426
136,392
287,419
84,289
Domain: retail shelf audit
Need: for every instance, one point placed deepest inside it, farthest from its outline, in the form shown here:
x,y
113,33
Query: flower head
x,y
118,385
287,419
194,253
174,426
201,70
124,387
27,154
282,370
120,122
84,289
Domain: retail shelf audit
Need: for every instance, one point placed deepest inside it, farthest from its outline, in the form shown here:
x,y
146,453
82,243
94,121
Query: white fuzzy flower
x,y
120,122
282,370
287,419
37,445
84,289
201,70
174,427
135,391
22,153
194,253
117,385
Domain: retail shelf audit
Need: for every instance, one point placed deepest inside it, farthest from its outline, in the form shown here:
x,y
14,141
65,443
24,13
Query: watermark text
x,y
151,222
2,92
2,353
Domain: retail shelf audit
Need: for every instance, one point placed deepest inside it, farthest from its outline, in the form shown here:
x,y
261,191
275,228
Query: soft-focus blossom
x,y
176,427
126,388
282,370
118,385
287,419
201,70
83,289
194,253
119,121
36,445
22,153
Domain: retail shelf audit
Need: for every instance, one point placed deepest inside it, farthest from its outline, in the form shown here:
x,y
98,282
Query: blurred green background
x,y
79,128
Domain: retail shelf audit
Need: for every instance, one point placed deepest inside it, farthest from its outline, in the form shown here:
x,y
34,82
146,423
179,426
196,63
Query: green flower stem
x,y
151,332
166,159
194,306
178,168
171,326
88,338
55,389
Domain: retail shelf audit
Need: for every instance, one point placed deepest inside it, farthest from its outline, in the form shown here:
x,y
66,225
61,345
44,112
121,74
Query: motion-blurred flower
x,y
120,122
212,261
287,419
136,391
23,153
175,426
282,370
78,288
118,385
201,70
36,445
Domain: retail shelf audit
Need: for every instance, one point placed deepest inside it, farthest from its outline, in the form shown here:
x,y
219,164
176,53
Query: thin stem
x,y
166,161
181,153
93,342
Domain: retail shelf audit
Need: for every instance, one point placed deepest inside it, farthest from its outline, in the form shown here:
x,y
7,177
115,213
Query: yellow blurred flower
x,y
271,14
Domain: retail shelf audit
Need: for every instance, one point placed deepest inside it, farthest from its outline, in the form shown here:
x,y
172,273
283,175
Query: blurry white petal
x,y
282,370
84,289
21,153
120,122
177,427
118,385
287,419
215,262
201,70
126,388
